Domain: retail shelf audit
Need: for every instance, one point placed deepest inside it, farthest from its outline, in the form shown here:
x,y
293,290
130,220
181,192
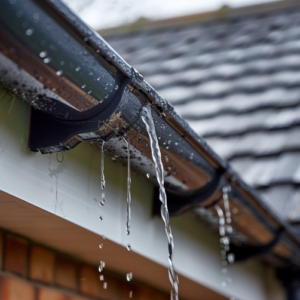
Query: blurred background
x,y
101,14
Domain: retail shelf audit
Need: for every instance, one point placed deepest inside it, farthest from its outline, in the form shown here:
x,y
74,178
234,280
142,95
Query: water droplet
x,y
101,266
59,72
130,294
77,69
105,285
176,143
129,276
103,236
128,247
224,240
101,246
29,31
148,175
231,258
224,283
101,277
47,60
62,63
83,86
116,87
100,218
36,16
89,92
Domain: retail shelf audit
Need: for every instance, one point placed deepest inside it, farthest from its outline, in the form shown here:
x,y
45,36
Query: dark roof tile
x,y
237,83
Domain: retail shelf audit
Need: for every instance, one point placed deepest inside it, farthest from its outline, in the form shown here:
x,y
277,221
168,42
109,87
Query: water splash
x,y
128,188
102,175
156,155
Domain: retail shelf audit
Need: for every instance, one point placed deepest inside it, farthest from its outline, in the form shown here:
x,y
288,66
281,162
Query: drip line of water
x,y
102,202
128,188
225,229
156,155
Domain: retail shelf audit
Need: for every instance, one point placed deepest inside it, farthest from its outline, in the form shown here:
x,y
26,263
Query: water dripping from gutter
x,y
156,155
224,241
102,202
225,229
128,188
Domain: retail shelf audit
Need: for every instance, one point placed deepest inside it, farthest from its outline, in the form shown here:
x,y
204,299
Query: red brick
x,y
41,264
50,294
65,273
89,281
114,288
16,289
78,298
16,255
128,289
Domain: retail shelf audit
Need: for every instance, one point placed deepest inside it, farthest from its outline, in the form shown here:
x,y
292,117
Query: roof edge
x,y
222,14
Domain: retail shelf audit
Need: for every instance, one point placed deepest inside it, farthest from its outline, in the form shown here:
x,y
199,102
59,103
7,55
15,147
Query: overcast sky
x,y
110,13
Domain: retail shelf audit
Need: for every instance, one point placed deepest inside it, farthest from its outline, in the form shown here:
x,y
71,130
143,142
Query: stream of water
x,y
102,202
128,189
156,155
225,229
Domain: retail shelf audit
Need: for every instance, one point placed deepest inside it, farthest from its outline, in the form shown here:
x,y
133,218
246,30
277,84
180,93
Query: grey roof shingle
x,y
237,83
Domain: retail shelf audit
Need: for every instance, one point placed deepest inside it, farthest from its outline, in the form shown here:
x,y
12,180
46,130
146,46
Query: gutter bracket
x,y
181,204
244,253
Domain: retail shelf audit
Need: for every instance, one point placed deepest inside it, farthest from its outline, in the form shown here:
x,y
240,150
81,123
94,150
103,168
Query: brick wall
x,y
29,271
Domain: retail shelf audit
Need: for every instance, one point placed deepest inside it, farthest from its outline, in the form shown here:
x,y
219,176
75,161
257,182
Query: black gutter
x,y
42,46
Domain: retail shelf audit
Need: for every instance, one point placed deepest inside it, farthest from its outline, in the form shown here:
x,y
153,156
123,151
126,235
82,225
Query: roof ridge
x,y
224,13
